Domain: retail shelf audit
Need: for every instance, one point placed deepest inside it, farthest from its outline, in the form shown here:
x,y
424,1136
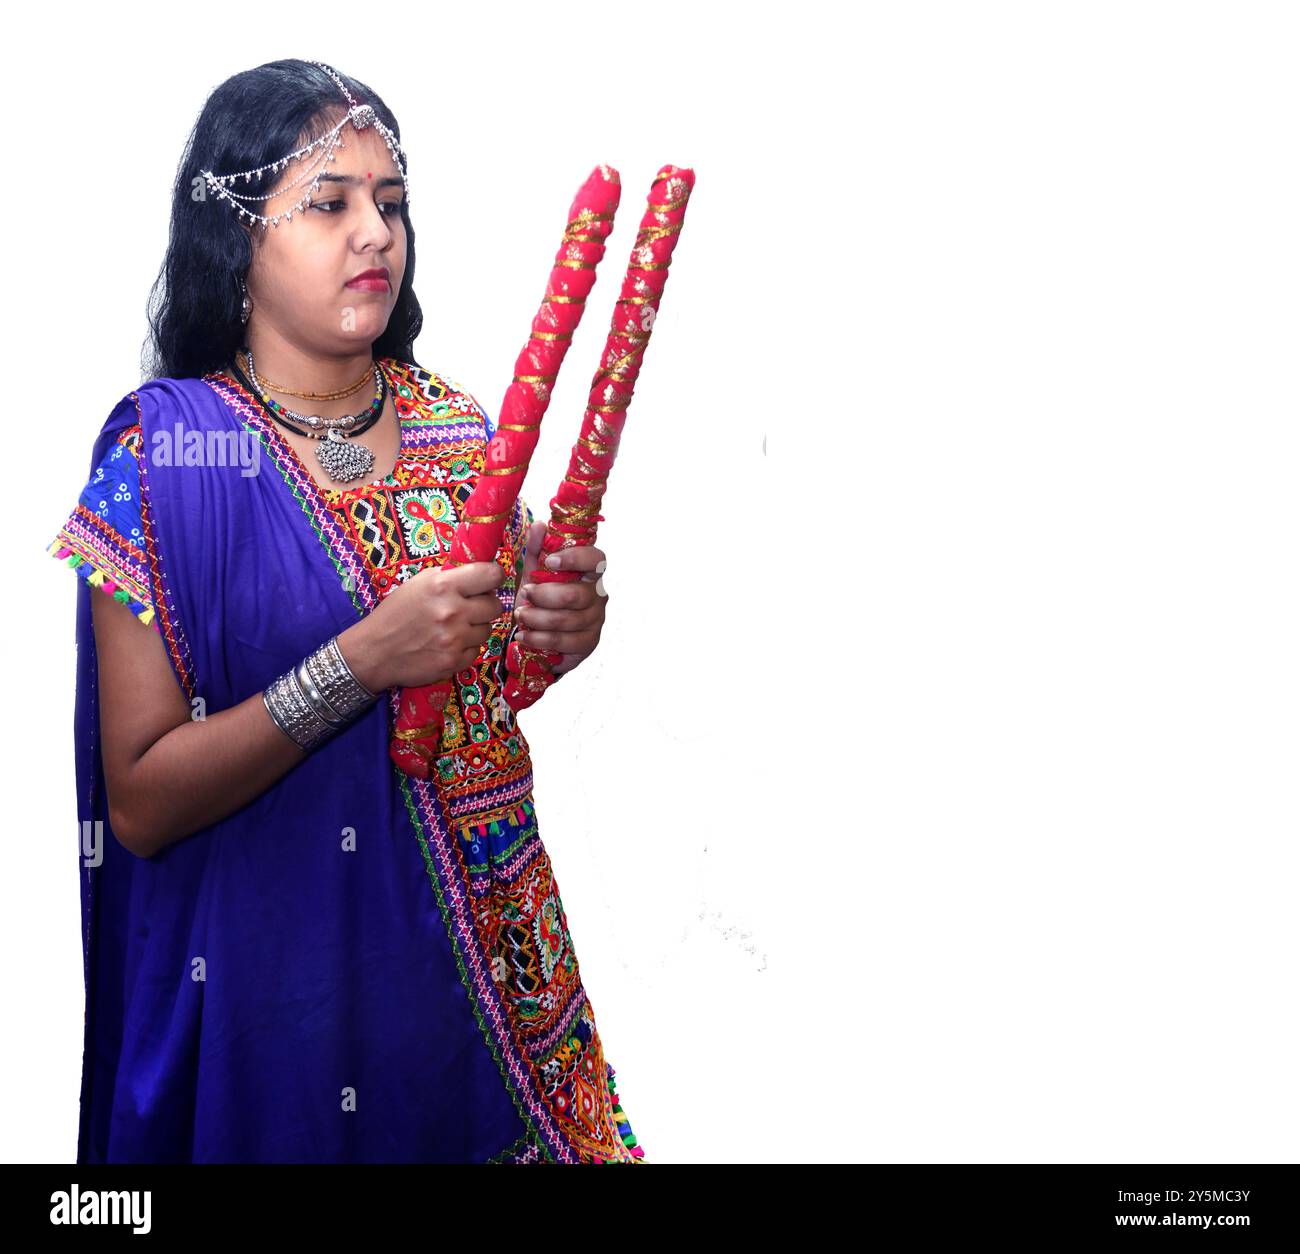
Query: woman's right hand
x,y
426,629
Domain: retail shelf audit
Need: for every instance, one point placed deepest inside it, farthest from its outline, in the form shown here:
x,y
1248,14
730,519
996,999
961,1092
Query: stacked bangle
x,y
317,698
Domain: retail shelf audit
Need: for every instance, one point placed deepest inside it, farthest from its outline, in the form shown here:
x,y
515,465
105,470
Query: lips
x,y
371,280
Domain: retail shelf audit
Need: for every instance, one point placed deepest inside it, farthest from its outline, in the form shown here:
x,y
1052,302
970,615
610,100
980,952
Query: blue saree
x,y
356,966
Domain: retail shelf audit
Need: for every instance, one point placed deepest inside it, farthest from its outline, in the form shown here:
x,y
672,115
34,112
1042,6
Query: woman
x,y
293,951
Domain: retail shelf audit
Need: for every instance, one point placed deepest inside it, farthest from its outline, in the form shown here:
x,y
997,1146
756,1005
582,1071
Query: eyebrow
x,y
356,180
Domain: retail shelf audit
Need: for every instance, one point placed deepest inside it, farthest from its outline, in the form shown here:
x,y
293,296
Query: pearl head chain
x,y
360,115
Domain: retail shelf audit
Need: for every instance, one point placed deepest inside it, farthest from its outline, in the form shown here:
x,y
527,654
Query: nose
x,y
373,230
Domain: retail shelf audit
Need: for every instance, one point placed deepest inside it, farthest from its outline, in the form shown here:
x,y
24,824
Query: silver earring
x,y
248,304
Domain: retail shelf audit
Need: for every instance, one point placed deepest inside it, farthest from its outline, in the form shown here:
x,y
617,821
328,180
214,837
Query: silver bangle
x,y
339,688
317,698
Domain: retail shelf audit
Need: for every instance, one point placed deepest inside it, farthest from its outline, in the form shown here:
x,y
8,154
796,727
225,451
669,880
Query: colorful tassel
x,y
97,578
626,1135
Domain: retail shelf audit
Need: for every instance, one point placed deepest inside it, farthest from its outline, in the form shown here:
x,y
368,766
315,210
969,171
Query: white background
x,y
932,794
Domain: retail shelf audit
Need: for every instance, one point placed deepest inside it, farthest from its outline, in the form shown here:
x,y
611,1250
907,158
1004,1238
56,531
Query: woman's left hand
x,y
565,618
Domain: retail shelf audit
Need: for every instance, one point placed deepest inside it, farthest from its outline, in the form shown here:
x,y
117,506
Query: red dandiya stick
x,y
417,736
575,506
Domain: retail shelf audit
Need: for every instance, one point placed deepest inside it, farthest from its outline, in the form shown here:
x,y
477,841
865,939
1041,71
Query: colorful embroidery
x,y
164,603
109,540
490,874
103,538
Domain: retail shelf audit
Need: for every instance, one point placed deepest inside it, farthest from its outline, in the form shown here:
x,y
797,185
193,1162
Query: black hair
x,y
252,119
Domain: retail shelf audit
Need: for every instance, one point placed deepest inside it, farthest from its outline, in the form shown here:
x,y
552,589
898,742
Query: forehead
x,y
363,153
361,158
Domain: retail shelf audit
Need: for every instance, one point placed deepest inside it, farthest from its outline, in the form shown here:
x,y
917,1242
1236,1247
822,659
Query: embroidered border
x,y
164,603
572,1033
423,810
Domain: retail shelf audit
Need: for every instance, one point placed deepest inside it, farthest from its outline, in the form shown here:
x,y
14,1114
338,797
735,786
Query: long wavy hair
x,y
251,120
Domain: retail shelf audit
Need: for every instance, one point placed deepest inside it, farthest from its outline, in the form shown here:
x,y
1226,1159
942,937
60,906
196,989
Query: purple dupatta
x,y
260,991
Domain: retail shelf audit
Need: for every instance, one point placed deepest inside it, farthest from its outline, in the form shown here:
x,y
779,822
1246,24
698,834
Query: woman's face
x,y
298,280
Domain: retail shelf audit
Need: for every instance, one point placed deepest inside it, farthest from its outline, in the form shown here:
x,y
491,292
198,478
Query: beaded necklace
x,y
338,452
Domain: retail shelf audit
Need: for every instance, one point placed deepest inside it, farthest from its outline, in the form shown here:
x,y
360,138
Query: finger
x,y
558,641
581,618
596,571
576,595
474,577
581,557
530,544
566,663
532,555
483,609
533,616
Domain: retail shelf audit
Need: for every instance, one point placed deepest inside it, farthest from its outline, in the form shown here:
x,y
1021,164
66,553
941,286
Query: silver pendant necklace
x,y
343,459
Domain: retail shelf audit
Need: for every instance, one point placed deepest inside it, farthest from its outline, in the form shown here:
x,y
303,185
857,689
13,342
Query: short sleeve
x,y
103,538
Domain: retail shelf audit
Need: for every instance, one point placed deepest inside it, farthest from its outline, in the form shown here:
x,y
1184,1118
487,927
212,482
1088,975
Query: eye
x,y
390,208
